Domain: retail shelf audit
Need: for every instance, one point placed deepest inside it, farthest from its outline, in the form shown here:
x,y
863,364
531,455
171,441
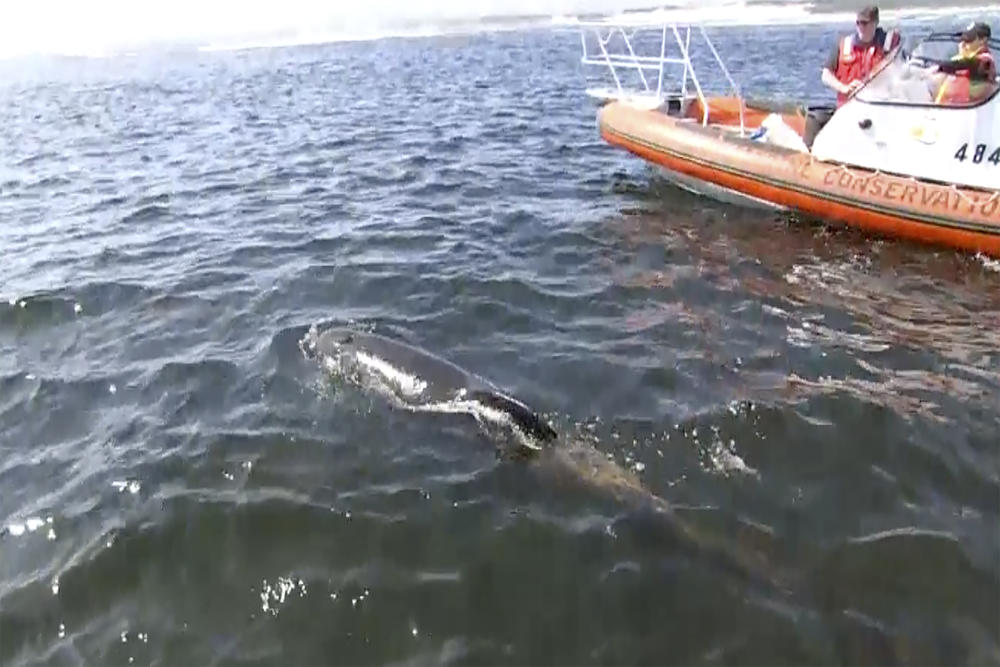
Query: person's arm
x,y
952,66
831,81
989,69
977,67
893,39
828,77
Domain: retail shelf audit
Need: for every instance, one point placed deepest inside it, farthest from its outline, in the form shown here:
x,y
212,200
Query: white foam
x,y
722,458
273,596
725,460
988,263
482,414
29,525
407,384
130,485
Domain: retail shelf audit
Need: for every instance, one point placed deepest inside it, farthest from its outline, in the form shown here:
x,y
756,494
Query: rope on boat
x,y
978,201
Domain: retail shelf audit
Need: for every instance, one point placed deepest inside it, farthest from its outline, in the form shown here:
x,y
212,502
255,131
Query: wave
x,y
103,28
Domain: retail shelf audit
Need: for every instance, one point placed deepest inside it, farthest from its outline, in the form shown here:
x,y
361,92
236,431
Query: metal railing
x,y
622,55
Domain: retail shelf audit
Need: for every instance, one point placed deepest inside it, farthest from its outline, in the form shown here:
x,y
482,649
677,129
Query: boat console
x,y
898,124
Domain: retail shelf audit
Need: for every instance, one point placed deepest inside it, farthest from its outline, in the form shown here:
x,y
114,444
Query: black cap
x,y
976,30
869,13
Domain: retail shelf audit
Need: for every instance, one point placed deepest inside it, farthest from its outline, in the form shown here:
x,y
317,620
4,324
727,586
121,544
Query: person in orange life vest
x,y
857,55
972,72
851,61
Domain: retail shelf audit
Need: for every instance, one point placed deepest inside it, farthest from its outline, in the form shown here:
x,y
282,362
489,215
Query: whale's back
x,y
421,381
441,378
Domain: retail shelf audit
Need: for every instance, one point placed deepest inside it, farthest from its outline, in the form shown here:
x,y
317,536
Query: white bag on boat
x,y
774,130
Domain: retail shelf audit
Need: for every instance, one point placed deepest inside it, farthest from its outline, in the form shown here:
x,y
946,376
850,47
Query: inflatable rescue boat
x,y
891,160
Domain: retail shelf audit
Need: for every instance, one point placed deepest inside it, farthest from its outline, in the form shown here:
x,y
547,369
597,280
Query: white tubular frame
x,y
604,30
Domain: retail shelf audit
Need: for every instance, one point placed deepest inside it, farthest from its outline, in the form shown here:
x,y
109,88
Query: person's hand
x,y
853,87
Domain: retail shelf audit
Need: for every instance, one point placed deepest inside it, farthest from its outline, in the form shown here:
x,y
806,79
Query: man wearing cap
x,y
972,72
857,54
850,63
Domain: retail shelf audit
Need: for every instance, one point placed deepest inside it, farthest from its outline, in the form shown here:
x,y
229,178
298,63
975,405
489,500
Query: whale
x,y
421,381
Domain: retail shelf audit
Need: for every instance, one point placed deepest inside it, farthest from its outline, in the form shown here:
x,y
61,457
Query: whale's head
x,y
366,360
334,349
335,341
330,343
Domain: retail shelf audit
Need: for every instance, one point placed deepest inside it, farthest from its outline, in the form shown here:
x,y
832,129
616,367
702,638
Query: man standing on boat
x,y
850,63
857,54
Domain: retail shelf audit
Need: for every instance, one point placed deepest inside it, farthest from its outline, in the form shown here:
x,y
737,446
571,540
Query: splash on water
x,y
988,263
29,525
131,485
273,596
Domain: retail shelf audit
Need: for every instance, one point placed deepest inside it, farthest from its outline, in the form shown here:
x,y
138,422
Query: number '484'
x,y
978,152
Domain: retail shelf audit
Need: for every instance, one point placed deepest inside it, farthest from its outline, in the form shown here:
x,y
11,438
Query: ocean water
x,y
180,484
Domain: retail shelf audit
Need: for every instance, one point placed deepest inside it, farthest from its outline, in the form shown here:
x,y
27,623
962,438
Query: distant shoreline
x,y
728,13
